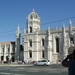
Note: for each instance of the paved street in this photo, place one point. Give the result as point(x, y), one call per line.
point(33, 70)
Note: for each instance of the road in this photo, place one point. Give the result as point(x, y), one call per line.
point(33, 70)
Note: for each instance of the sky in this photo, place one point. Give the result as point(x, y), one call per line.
point(53, 13)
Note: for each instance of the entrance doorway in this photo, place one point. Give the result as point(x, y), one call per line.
point(12, 59)
point(2, 58)
point(7, 58)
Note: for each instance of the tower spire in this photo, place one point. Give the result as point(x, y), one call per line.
point(33, 10)
point(70, 22)
point(63, 25)
point(18, 27)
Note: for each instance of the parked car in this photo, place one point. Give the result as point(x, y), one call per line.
point(19, 62)
point(42, 62)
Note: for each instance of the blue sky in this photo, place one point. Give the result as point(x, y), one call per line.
point(14, 12)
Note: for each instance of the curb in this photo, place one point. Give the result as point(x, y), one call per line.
point(15, 65)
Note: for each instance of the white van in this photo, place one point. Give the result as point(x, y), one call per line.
point(42, 62)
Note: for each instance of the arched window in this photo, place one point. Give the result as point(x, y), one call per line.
point(2, 58)
point(31, 16)
point(30, 43)
point(57, 44)
point(3, 50)
point(43, 54)
point(30, 54)
point(71, 40)
point(42, 42)
point(30, 29)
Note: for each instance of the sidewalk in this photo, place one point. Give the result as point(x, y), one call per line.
point(15, 64)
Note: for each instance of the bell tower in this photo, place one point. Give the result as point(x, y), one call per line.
point(33, 22)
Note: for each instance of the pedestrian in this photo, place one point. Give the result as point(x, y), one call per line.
point(69, 62)
point(2, 61)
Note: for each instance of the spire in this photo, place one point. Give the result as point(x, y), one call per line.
point(63, 25)
point(70, 27)
point(18, 27)
point(63, 30)
point(70, 22)
point(56, 28)
point(48, 30)
point(24, 31)
point(33, 10)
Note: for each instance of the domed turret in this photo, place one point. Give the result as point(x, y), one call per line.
point(33, 16)
point(33, 22)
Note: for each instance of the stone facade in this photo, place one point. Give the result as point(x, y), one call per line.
point(7, 51)
point(51, 44)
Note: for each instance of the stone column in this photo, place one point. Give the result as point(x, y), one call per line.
point(74, 38)
point(5, 49)
point(64, 42)
point(37, 45)
point(10, 51)
point(49, 46)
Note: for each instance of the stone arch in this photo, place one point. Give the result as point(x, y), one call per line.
point(30, 53)
point(30, 42)
point(30, 29)
point(42, 41)
point(43, 54)
point(57, 40)
point(72, 39)
point(2, 58)
point(7, 58)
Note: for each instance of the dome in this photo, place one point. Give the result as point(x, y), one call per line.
point(33, 15)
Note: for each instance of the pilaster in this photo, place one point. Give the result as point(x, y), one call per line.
point(5, 49)
point(36, 46)
point(49, 46)
point(74, 38)
point(10, 51)
point(64, 42)
point(70, 27)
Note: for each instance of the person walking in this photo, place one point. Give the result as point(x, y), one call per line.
point(69, 62)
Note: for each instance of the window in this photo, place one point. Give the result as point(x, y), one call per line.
point(30, 43)
point(43, 60)
point(43, 55)
point(13, 48)
point(57, 44)
point(31, 16)
point(21, 48)
point(3, 50)
point(8, 50)
point(30, 54)
point(35, 16)
point(72, 40)
point(42, 42)
point(30, 29)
